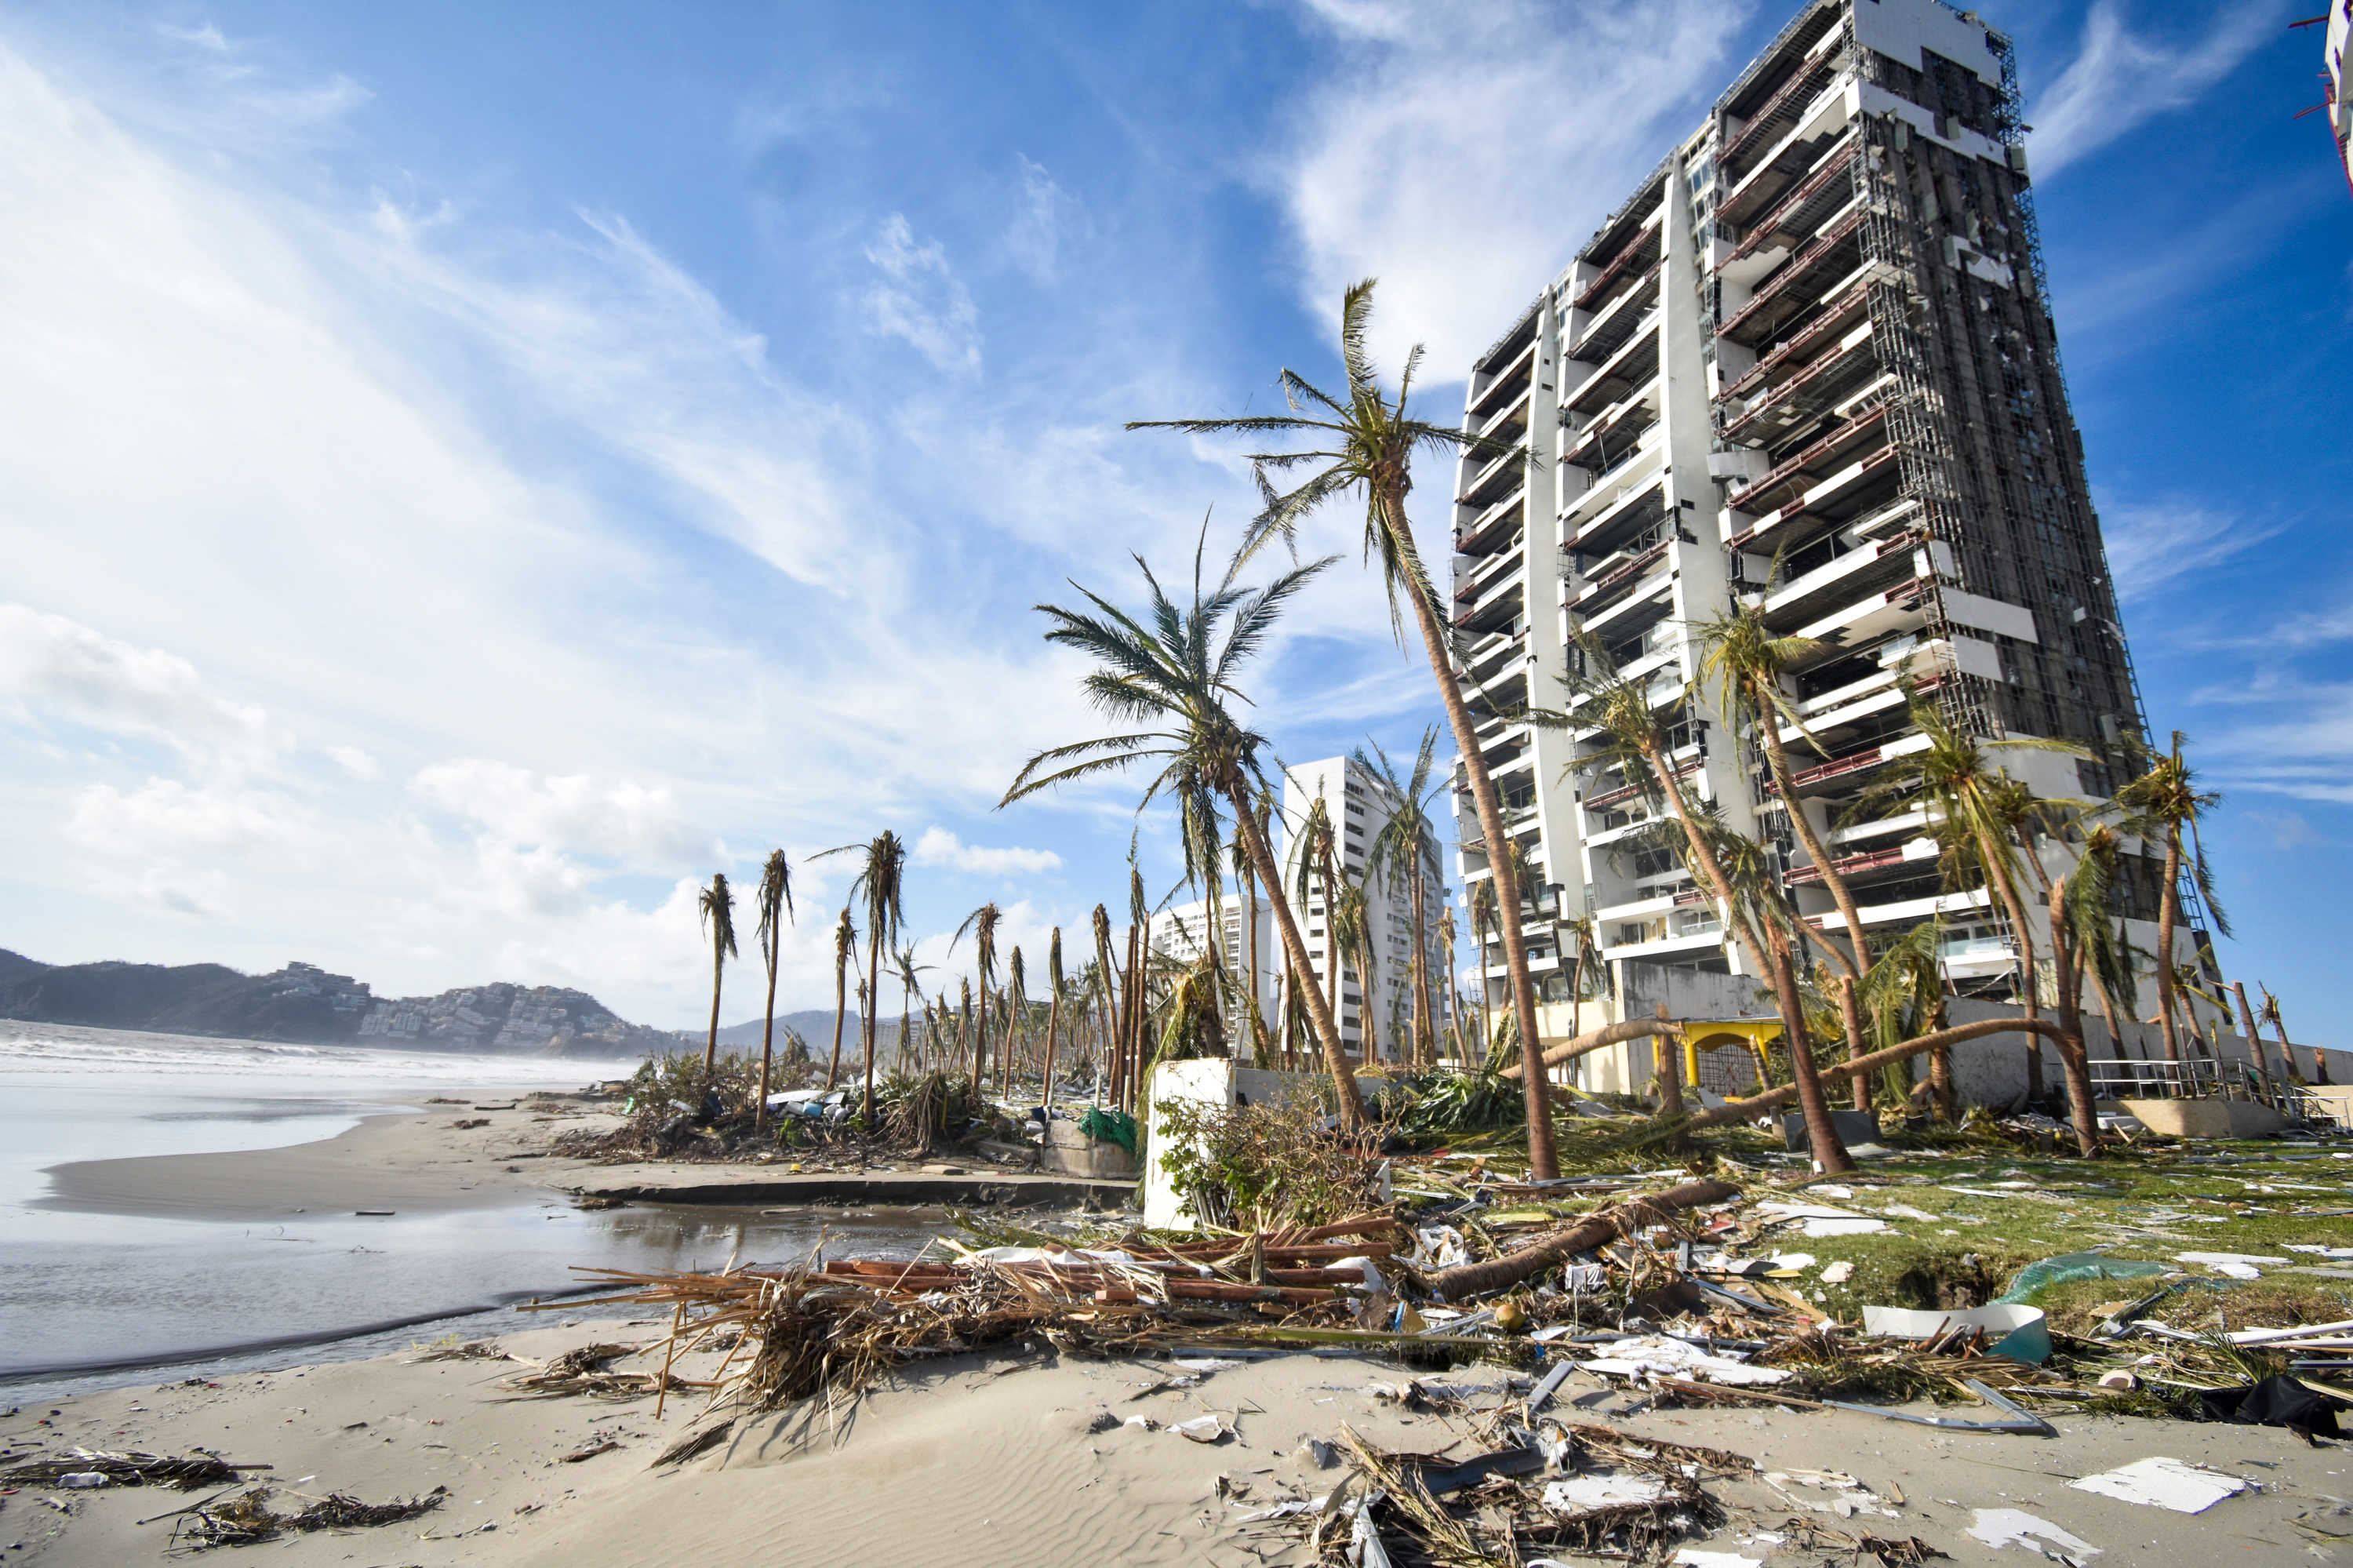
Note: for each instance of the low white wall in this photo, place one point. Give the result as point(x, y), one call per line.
point(1212, 1081)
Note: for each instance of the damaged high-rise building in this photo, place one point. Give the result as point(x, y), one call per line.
point(1809, 363)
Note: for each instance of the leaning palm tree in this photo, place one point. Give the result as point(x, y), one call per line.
point(775, 899)
point(1748, 663)
point(716, 907)
point(982, 924)
point(1366, 442)
point(1955, 782)
point(2161, 803)
point(1176, 667)
point(1315, 867)
point(1404, 855)
point(1635, 741)
point(883, 879)
point(845, 953)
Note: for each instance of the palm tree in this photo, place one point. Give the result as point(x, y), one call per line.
point(1366, 443)
point(1635, 742)
point(1055, 986)
point(1748, 663)
point(845, 953)
point(1954, 782)
point(2160, 804)
point(982, 924)
point(1904, 996)
point(1404, 855)
point(775, 899)
point(1314, 867)
point(1482, 915)
point(883, 879)
point(1015, 999)
point(1177, 667)
point(1348, 920)
point(1107, 983)
point(903, 965)
point(716, 907)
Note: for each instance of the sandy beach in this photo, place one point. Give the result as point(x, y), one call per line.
point(1022, 1457)
point(1000, 1462)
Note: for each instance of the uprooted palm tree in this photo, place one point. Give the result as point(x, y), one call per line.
point(1954, 782)
point(1366, 442)
point(982, 924)
point(1177, 668)
point(1404, 856)
point(1637, 742)
point(776, 899)
point(2162, 803)
point(716, 907)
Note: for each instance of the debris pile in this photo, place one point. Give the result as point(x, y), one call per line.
point(246, 1520)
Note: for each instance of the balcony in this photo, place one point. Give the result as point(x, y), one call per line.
point(1870, 569)
point(1640, 251)
point(1798, 482)
point(1510, 382)
point(1492, 527)
point(1831, 258)
point(1606, 332)
point(1870, 865)
point(1797, 218)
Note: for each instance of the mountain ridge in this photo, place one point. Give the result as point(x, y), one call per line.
point(304, 1004)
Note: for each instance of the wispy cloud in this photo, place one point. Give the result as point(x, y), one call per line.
point(1046, 213)
point(2125, 75)
point(1457, 150)
point(2151, 544)
point(919, 298)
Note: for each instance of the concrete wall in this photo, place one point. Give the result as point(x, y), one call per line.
point(1212, 1081)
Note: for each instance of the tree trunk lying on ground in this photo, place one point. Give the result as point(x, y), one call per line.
point(1593, 1039)
point(1756, 1105)
point(1469, 1279)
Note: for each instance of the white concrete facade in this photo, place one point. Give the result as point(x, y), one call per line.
point(1808, 365)
point(1182, 932)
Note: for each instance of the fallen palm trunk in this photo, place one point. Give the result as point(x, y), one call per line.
point(1469, 1279)
point(1593, 1039)
point(1756, 1105)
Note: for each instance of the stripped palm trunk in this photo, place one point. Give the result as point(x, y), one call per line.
point(1328, 1028)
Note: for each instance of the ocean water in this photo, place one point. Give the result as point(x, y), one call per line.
point(95, 1301)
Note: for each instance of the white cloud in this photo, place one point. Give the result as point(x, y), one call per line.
point(919, 298)
point(1461, 153)
point(97, 679)
point(167, 816)
point(2124, 75)
point(517, 807)
point(355, 762)
point(940, 847)
point(2151, 544)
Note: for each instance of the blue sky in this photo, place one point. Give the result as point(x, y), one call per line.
point(471, 472)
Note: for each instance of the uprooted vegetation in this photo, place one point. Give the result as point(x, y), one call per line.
point(673, 1109)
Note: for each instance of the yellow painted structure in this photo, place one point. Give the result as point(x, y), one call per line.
point(1713, 1034)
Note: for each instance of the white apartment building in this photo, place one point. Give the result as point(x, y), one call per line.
point(1809, 363)
point(1379, 1006)
point(1181, 931)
